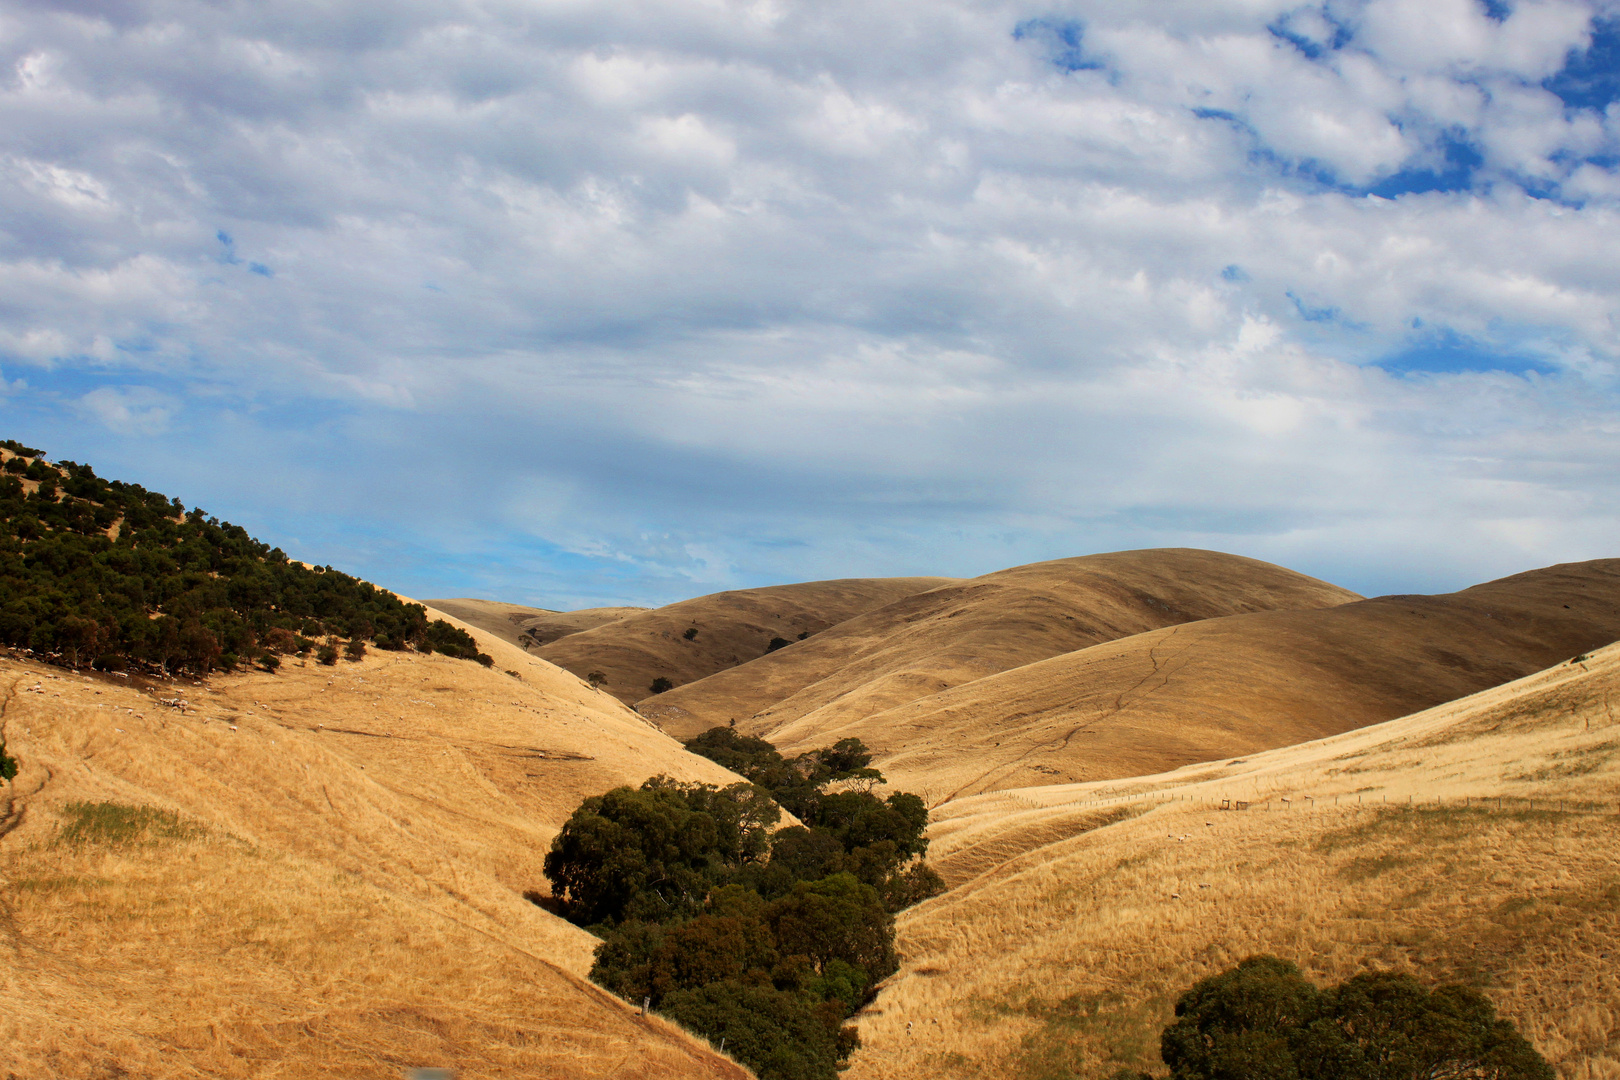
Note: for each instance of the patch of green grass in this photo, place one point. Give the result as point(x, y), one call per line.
point(112, 824)
point(60, 883)
point(1090, 1034)
point(1366, 867)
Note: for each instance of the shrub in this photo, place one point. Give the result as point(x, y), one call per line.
point(269, 661)
point(279, 640)
point(777, 643)
point(485, 659)
point(8, 764)
point(661, 685)
point(1263, 1019)
point(110, 662)
point(327, 655)
point(228, 661)
point(354, 651)
point(691, 633)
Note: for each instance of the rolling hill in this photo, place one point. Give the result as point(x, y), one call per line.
point(1228, 686)
point(1478, 841)
point(730, 628)
point(330, 861)
point(967, 630)
point(529, 626)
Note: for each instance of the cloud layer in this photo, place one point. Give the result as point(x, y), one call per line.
point(581, 301)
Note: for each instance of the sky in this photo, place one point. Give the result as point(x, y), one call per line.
point(569, 303)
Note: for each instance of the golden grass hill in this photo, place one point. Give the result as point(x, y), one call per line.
point(262, 819)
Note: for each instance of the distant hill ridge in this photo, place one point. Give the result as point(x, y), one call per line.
point(962, 631)
point(1226, 687)
point(686, 641)
point(105, 572)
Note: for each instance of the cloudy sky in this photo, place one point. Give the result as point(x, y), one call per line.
point(573, 302)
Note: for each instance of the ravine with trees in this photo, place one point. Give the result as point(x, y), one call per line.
point(763, 939)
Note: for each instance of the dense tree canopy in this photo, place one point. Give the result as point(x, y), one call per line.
point(768, 940)
point(1263, 1020)
point(93, 570)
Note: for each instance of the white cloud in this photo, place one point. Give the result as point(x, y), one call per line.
point(130, 410)
point(861, 276)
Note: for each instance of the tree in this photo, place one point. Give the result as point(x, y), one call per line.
point(1263, 1019)
point(838, 918)
point(596, 679)
point(691, 633)
point(780, 1035)
point(656, 852)
point(661, 685)
point(1237, 1025)
point(8, 764)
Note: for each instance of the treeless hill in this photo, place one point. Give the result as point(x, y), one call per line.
point(529, 626)
point(313, 873)
point(1476, 842)
point(731, 628)
point(971, 629)
point(1229, 686)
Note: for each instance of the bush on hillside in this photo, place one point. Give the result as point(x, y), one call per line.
point(92, 568)
point(8, 764)
point(661, 685)
point(767, 940)
point(1263, 1020)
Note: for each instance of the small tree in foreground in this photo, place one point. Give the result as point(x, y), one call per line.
point(1263, 1020)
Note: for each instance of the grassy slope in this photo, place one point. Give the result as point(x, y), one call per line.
point(972, 629)
point(733, 628)
point(1079, 912)
point(1233, 686)
point(509, 621)
point(342, 895)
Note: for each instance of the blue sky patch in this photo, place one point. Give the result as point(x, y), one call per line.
point(1446, 352)
point(1457, 174)
point(1063, 39)
point(1591, 79)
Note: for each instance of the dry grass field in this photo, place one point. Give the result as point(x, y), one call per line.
point(1229, 686)
point(731, 628)
point(1478, 841)
point(314, 873)
point(971, 629)
point(529, 625)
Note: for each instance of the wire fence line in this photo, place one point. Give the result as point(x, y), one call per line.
point(1353, 801)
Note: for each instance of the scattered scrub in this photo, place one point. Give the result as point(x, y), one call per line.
point(768, 940)
point(104, 572)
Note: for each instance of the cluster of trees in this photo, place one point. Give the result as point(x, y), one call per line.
point(1263, 1020)
point(104, 572)
point(765, 938)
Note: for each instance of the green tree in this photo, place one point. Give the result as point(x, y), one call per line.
point(1263, 1019)
point(661, 685)
point(655, 853)
point(838, 918)
point(780, 1035)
